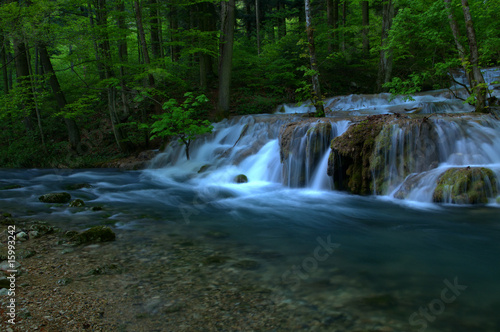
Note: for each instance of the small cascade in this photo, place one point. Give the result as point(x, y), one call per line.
point(303, 151)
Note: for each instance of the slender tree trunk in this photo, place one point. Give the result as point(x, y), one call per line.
point(3, 56)
point(257, 24)
point(174, 25)
point(142, 38)
point(23, 79)
point(206, 13)
point(100, 67)
point(365, 8)
point(386, 60)
point(479, 83)
point(73, 131)
point(155, 26)
point(317, 98)
point(226, 56)
point(123, 54)
point(456, 35)
point(281, 19)
point(344, 24)
point(33, 82)
point(105, 55)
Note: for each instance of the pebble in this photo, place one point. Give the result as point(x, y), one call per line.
point(22, 236)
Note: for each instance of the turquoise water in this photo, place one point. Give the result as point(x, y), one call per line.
point(373, 256)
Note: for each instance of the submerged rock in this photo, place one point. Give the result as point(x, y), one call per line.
point(77, 186)
point(63, 197)
point(10, 186)
point(470, 185)
point(95, 234)
point(77, 203)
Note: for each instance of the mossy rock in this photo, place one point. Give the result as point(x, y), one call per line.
point(215, 260)
point(77, 203)
point(95, 234)
point(247, 264)
point(10, 186)
point(77, 186)
point(217, 235)
point(203, 168)
point(382, 301)
point(41, 228)
point(241, 178)
point(57, 198)
point(470, 185)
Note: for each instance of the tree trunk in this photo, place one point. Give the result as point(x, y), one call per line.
point(155, 25)
point(317, 98)
point(226, 56)
point(281, 19)
point(3, 56)
point(456, 35)
point(206, 14)
point(105, 55)
point(73, 132)
point(386, 60)
point(23, 79)
point(33, 82)
point(344, 24)
point(142, 38)
point(123, 54)
point(174, 25)
point(257, 24)
point(365, 8)
point(478, 79)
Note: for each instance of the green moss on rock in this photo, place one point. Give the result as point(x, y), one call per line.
point(57, 198)
point(77, 203)
point(241, 178)
point(466, 186)
point(95, 234)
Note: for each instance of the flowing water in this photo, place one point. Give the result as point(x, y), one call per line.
point(411, 264)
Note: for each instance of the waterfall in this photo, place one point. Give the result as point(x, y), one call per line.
point(409, 157)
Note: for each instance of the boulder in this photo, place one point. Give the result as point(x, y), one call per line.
point(469, 185)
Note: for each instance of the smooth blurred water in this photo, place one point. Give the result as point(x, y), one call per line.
point(383, 246)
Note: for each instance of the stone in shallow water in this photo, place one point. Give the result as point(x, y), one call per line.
point(241, 178)
point(95, 234)
point(77, 203)
point(63, 197)
point(469, 185)
point(247, 264)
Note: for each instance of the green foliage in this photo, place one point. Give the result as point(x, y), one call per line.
point(182, 120)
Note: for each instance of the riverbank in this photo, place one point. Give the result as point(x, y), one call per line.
point(147, 285)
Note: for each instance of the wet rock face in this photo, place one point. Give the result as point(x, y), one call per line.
point(56, 198)
point(376, 154)
point(349, 162)
point(466, 186)
point(302, 145)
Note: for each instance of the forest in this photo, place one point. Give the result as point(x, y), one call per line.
point(84, 82)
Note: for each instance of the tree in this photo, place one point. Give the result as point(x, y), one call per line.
point(386, 59)
point(226, 56)
point(182, 121)
point(317, 98)
point(73, 131)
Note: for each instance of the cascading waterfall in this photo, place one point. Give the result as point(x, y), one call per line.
point(409, 158)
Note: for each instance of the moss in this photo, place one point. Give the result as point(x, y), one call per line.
point(95, 234)
point(350, 164)
point(57, 198)
point(241, 178)
point(77, 203)
point(466, 186)
point(10, 186)
point(247, 264)
point(77, 186)
point(215, 259)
